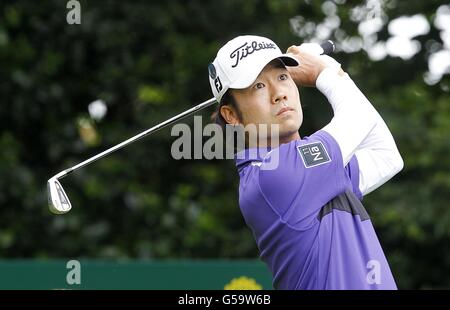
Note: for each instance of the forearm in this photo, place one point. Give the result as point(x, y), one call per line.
point(378, 156)
point(356, 125)
point(353, 120)
point(376, 151)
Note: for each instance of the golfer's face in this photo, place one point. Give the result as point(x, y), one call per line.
point(272, 99)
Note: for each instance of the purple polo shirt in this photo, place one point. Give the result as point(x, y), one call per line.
point(306, 215)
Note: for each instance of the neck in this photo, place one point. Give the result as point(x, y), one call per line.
point(272, 143)
point(289, 138)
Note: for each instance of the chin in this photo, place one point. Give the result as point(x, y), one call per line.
point(289, 126)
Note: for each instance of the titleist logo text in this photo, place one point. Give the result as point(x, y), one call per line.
point(246, 49)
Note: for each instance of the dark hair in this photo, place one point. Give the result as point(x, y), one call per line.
point(227, 99)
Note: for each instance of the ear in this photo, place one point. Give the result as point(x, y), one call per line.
point(229, 115)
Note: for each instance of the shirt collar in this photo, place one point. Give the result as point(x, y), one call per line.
point(247, 156)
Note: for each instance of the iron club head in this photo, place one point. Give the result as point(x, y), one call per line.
point(58, 202)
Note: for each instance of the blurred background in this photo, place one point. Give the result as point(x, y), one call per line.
point(70, 91)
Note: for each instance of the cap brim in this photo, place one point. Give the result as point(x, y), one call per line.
point(250, 77)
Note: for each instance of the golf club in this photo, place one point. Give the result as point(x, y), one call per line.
point(58, 201)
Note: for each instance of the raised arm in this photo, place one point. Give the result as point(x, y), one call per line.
point(378, 156)
point(356, 126)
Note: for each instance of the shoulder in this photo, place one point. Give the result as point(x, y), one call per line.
point(317, 150)
point(309, 169)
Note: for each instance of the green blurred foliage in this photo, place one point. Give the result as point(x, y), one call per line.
point(147, 61)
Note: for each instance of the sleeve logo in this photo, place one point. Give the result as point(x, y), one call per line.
point(313, 154)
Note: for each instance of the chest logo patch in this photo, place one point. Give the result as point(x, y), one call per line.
point(313, 154)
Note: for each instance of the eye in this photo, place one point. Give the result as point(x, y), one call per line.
point(259, 85)
point(283, 77)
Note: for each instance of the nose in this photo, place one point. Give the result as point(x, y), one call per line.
point(278, 96)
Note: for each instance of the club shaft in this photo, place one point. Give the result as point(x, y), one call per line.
point(327, 46)
point(170, 121)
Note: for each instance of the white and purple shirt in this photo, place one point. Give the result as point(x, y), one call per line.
point(308, 221)
point(306, 214)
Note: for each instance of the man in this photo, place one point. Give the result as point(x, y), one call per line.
point(306, 213)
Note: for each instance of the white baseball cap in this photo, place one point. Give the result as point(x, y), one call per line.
point(239, 62)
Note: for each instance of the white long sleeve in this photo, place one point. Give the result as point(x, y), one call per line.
point(378, 157)
point(359, 129)
point(352, 121)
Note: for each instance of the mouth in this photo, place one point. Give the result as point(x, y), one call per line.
point(284, 111)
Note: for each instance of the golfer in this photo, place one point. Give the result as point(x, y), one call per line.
point(305, 213)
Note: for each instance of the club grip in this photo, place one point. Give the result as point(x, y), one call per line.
point(328, 47)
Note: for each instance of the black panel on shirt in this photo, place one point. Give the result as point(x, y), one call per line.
point(347, 202)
